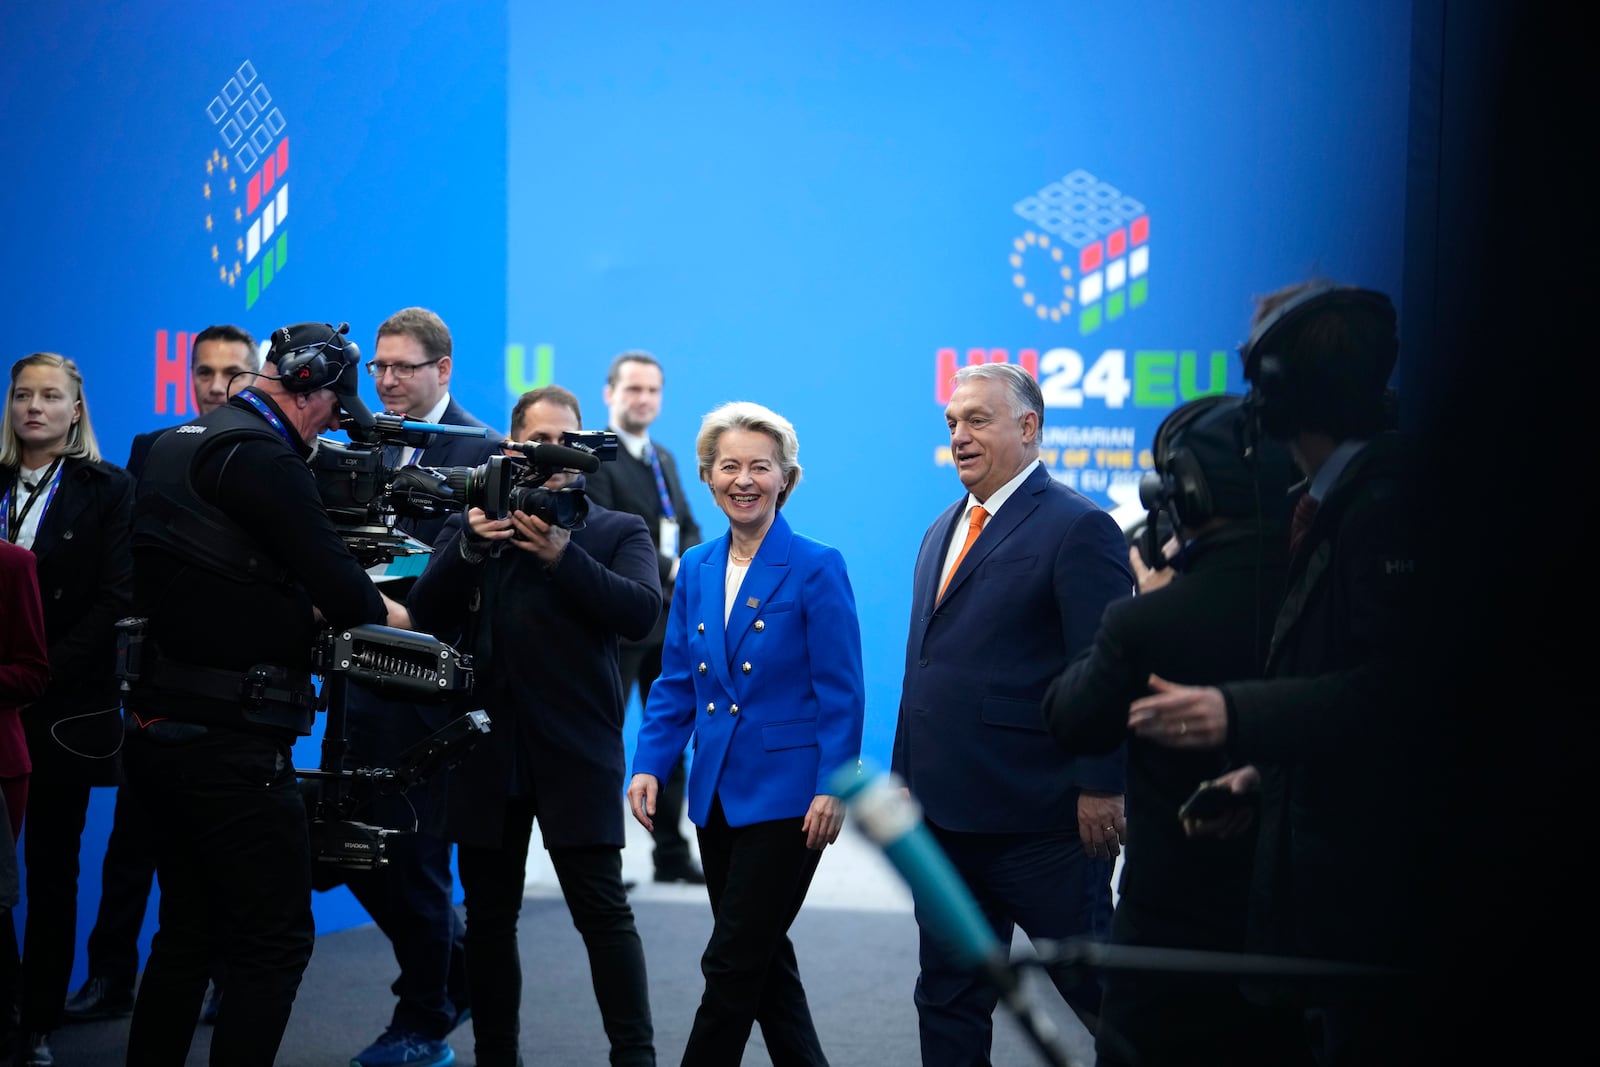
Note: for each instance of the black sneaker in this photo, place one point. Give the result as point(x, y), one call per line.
point(98, 999)
point(688, 871)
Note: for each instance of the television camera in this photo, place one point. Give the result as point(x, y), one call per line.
point(365, 490)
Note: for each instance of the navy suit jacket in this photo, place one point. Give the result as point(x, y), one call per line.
point(140, 450)
point(971, 740)
point(448, 450)
point(775, 699)
point(628, 484)
point(546, 672)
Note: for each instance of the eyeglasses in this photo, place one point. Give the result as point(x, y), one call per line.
point(402, 371)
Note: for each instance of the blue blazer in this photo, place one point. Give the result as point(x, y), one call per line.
point(774, 701)
point(971, 740)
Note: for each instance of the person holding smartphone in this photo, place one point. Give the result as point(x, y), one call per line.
point(1203, 614)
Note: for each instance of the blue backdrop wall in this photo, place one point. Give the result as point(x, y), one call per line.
point(824, 208)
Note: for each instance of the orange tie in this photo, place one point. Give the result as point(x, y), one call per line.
point(974, 526)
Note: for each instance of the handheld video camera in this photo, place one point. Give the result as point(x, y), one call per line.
point(567, 508)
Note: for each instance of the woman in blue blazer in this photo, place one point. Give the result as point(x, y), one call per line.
point(762, 670)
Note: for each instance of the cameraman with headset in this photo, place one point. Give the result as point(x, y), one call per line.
point(1204, 618)
point(543, 604)
point(1332, 736)
point(236, 565)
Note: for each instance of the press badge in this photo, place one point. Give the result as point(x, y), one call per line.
point(669, 538)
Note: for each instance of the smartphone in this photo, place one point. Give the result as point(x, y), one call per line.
point(1212, 801)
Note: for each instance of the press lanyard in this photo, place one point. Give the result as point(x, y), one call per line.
point(267, 413)
point(14, 520)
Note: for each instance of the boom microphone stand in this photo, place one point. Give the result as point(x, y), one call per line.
point(889, 817)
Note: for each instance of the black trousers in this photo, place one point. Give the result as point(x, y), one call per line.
point(641, 663)
point(126, 875)
point(757, 877)
point(234, 860)
point(1174, 1019)
point(50, 842)
point(410, 901)
point(591, 883)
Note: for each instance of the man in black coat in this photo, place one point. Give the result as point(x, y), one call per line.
point(411, 899)
point(644, 480)
point(1333, 736)
point(1209, 624)
point(543, 608)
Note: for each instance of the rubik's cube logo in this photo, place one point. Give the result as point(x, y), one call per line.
point(246, 194)
point(1086, 251)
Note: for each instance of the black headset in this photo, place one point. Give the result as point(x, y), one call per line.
point(1177, 481)
point(1290, 393)
point(304, 365)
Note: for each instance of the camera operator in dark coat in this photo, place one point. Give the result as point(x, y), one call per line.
point(1333, 736)
point(1209, 623)
point(236, 566)
point(543, 608)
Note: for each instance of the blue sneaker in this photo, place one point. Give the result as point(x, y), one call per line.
point(400, 1048)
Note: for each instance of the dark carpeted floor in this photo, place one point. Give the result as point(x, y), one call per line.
point(858, 966)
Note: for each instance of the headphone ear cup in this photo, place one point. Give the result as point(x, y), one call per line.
point(1150, 542)
point(1276, 406)
point(1190, 493)
point(1152, 490)
point(304, 372)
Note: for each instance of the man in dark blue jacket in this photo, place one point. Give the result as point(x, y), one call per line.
point(543, 607)
point(412, 897)
point(1010, 584)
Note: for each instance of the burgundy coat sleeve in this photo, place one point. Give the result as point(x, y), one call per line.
point(24, 669)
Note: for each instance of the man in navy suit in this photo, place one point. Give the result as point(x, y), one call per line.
point(1010, 584)
point(412, 899)
point(222, 360)
point(544, 607)
point(644, 480)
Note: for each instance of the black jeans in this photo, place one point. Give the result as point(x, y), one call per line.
point(591, 883)
point(126, 875)
point(55, 820)
point(411, 899)
point(757, 877)
point(234, 862)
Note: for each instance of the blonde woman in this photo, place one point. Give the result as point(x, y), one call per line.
point(63, 502)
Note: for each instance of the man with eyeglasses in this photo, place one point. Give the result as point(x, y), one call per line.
point(411, 899)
